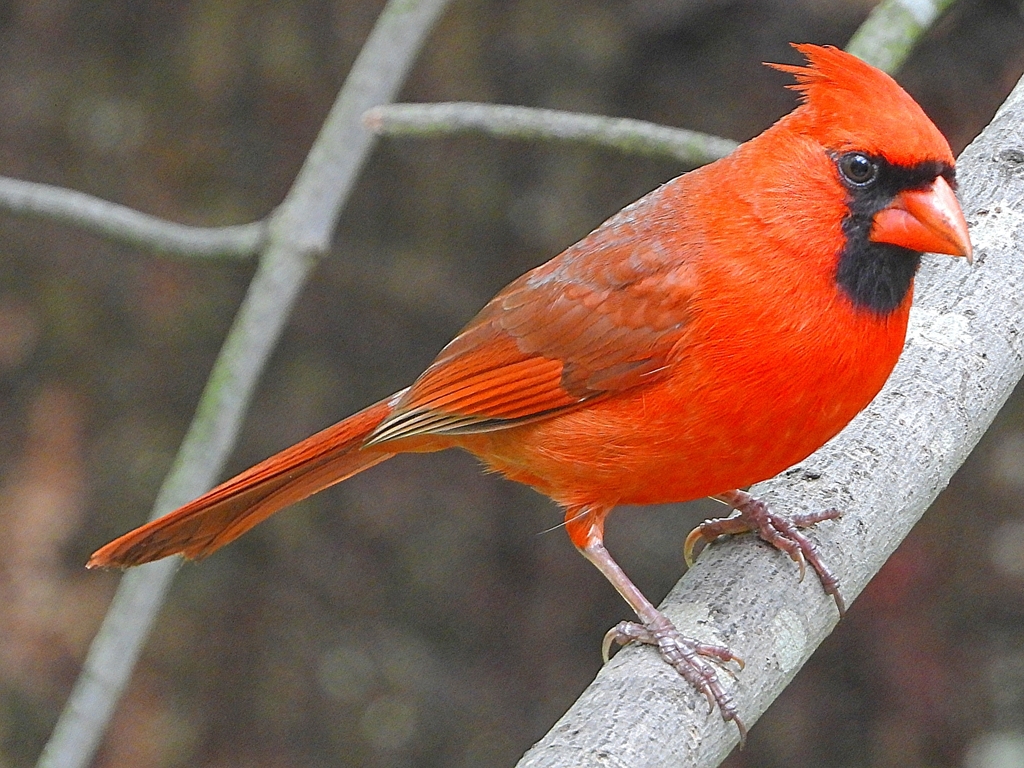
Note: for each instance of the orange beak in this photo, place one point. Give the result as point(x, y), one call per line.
point(928, 220)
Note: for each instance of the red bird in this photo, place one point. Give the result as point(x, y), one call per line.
point(706, 337)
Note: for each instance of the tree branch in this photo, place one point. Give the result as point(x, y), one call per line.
point(623, 134)
point(885, 40)
point(123, 224)
point(964, 355)
point(299, 234)
point(892, 29)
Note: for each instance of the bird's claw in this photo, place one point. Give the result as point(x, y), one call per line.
point(710, 530)
point(798, 557)
point(781, 531)
point(688, 657)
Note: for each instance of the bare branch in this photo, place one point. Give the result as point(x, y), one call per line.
point(300, 232)
point(964, 355)
point(623, 134)
point(125, 225)
point(892, 29)
point(885, 40)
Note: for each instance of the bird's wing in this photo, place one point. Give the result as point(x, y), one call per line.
point(600, 318)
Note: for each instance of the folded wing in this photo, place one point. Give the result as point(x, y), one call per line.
point(602, 317)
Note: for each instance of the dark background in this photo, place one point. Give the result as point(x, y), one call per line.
point(418, 615)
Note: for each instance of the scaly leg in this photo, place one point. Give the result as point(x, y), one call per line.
point(687, 656)
point(781, 531)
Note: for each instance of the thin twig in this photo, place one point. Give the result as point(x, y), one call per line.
point(892, 29)
point(300, 232)
point(623, 134)
point(885, 40)
point(125, 225)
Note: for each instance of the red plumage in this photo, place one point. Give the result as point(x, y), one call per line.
point(706, 337)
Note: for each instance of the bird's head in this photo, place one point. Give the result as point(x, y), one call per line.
point(888, 161)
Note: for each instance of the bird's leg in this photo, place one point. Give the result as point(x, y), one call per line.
point(687, 656)
point(781, 531)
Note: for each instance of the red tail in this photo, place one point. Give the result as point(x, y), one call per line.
point(229, 510)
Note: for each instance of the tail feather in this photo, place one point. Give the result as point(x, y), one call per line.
point(232, 508)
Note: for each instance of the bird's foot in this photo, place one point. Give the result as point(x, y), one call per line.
point(687, 656)
point(781, 531)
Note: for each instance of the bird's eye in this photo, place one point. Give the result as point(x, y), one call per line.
point(858, 169)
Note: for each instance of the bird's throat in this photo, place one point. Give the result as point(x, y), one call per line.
point(875, 276)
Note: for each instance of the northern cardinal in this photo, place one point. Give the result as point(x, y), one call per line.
point(706, 337)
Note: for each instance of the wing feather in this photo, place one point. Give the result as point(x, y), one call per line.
point(602, 317)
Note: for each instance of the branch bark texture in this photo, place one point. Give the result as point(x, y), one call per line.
point(964, 355)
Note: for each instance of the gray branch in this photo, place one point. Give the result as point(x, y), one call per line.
point(299, 234)
point(619, 133)
point(123, 224)
point(885, 40)
point(892, 29)
point(964, 355)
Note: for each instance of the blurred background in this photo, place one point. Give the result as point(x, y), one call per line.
point(418, 615)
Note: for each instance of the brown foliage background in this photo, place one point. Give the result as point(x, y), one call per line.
point(419, 614)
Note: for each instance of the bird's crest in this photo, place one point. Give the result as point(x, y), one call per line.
point(849, 104)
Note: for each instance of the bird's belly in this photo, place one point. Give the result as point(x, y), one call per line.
point(683, 439)
point(608, 457)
